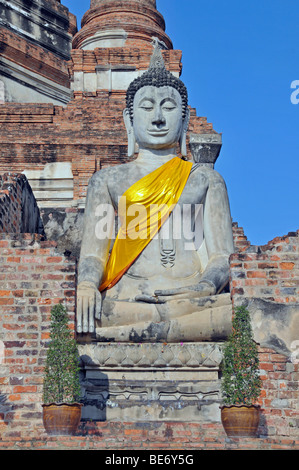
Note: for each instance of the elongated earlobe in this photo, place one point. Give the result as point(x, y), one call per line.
point(183, 138)
point(130, 133)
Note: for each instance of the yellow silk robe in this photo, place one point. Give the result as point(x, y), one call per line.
point(154, 197)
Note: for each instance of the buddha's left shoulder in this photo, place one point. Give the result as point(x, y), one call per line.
point(208, 173)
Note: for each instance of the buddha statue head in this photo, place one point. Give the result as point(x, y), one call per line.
point(157, 114)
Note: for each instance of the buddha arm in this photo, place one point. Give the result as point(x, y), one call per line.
point(95, 244)
point(218, 233)
point(94, 254)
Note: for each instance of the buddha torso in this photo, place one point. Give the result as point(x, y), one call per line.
point(167, 261)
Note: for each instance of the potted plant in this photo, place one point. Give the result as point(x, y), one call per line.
point(241, 382)
point(61, 386)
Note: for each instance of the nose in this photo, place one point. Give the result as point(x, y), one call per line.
point(158, 117)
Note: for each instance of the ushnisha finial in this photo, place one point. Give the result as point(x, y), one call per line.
point(157, 61)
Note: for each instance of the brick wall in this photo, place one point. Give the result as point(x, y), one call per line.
point(139, 58)
point(18, 209)
point(89, 132)
point(270, 272)
point(33, 57)
point(21, 421)
point(240, 240)
point(33, 277)
point(280, 395)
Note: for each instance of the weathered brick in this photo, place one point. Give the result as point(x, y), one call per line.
point(4, 293)
point(256, 274)
point(267, 275)
point(5, 301)
point(287, 266)
point(54, 259)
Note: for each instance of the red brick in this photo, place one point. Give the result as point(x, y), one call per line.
point(256, 274)
point(24, 389)
point(255, 282)
point(287, 266)
point(54, 259)
point(14, 397)
point(267, 265)
point(12, 326)
point(13, 259)
point(5, 293)
point(266, 366)
point(18, 293)
point(4, 301)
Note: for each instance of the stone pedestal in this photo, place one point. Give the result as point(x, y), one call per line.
point(205, 148)
point(151, 382)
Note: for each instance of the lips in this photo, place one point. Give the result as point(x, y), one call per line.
point(156, 133)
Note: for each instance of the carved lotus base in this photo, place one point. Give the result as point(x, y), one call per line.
point(151, 382)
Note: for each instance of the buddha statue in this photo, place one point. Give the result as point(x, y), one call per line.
point(154, 281)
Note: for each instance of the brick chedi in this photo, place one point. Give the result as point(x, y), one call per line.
point(114, 23)
point(35, 44)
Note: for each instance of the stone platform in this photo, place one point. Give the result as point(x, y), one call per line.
point(151, 382)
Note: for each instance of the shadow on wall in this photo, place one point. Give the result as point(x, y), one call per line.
point(95, 394)
point(19, 212)
point(6, 410)
point(31, 219)
point(263, 429)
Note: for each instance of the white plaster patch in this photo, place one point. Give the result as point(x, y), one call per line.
point(107, 38)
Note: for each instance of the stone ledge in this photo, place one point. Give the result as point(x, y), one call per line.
point(151, 356)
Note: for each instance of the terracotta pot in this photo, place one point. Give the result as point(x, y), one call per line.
point(240, 420)
point(61, 419)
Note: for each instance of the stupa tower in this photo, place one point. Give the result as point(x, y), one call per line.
point(117, 23)
point(115, 44)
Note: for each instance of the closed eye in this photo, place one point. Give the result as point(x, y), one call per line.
point(147, 108)
point(169, 108)
point(168, 105)
point(147, 105)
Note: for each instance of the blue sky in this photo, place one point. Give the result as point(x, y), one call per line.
point(239, 61)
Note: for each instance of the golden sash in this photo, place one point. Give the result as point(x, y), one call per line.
point(153, 197)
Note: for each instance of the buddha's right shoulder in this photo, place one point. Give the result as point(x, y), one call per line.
point(103, 176)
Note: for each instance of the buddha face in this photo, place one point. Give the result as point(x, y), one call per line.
point(157, 122)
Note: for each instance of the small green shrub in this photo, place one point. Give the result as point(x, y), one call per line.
point(241, 382)
point(61, 374)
